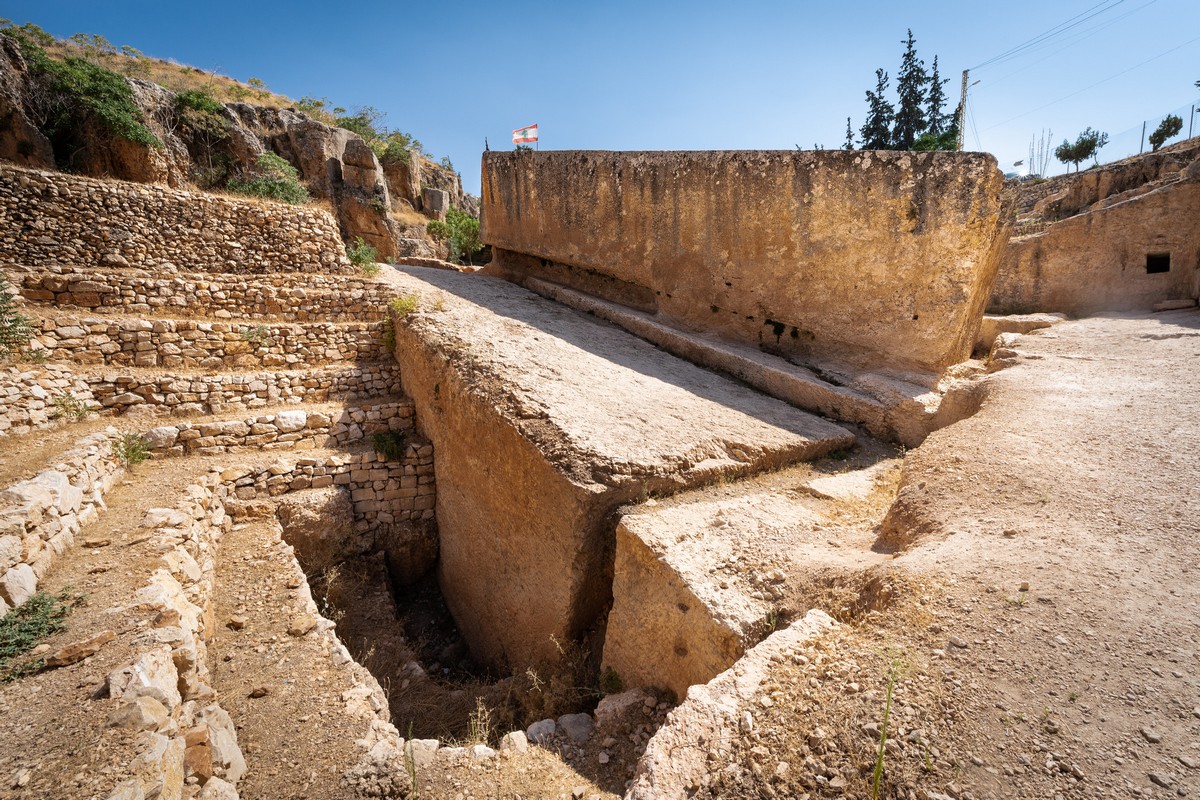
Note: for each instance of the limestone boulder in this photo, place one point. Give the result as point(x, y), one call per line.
point(319, 523)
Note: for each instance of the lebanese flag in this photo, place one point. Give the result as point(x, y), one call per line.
point(526, 134)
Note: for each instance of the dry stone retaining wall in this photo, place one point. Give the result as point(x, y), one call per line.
point(57, 218)
point(280, 431)
point(280, 296)
point(180, 395)
point(207, 345)
point(39, 517)
point(28, 394)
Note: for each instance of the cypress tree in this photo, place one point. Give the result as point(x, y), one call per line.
point(849, 145)
point(911, 86)
point(937, 101)
point(876, 131)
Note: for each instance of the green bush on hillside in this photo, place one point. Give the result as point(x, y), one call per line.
point(273, 178)
point(86, 86)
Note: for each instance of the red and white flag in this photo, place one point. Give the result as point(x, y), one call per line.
point(526, 134)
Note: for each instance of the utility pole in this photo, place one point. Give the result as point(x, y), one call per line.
point(962, 112)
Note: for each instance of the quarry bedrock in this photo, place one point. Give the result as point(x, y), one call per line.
point(543, 422)
point(1096, 261)
point(875, 258)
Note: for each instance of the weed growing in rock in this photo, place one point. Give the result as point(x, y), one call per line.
point(130, 449)
point(893, 673)
point(22, 628)
point(16, 329)
point(404, 305)
point(257, 335)
point(68, 406)
point(273, 178)
point(38, 356)
point(390, 445)
point(479, 725)
point(363, 256)
point(389, 336)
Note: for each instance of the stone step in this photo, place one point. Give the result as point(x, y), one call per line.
point(190, 343)
point(290, 297)
point(888, 407)
point(544, 421)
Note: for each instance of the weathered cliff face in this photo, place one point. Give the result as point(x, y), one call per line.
point(335, 164)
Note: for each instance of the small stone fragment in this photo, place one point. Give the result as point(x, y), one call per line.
point(78, 651)
point(261, 691)
point(1152, 736)
point(301, 625)
point(236, 622)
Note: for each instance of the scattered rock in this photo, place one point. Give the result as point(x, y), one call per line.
point(1158, 779)
point(236, 622)
point(515, 742)
point(1152, 736)
point(78, 651)
point(538, 732)
point(300, 625)
point(577, 726)
point(261, 691)
point(140, 714)
point(97, 543)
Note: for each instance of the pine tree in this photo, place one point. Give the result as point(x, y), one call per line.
point(849, 145)
point(911, 85)
point(937, 101)
point(876, 131)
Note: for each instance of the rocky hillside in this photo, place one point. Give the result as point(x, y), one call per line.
point(63, 108)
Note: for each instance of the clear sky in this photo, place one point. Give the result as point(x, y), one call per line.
point(645, 75)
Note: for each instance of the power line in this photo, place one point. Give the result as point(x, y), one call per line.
point(1057, 30)
point(1094, 85)
point(1082, 36)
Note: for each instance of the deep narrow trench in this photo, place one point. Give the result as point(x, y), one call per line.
point(380, 589)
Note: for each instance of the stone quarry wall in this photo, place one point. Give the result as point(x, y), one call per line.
point(882, 259)
point(208, 345)
point(56, 218)
point(282, 297)
point(1097, 260)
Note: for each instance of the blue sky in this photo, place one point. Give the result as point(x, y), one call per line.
point(630, 75)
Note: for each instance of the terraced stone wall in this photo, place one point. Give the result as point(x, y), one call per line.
point(878, 259)
point(39, 517)
point(207, 345)
point(284, 297)
point(181, 395)
point(57, 218)
point(28, 394)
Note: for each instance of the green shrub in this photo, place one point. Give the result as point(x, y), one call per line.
point(396, 152)
point(199, 100)
point(462, 231)
point(130, 449)
point(404, 305)
point(87, 86)
point(362, 255)
point(68, 406)
point(390, 445)
point(257, 335)
point(22, 628)
point(273, 178)
point(16, 329)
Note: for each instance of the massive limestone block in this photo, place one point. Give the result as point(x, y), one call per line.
point(544, 421)
point(872, 258)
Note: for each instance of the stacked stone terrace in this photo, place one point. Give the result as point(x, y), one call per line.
point(248, 353)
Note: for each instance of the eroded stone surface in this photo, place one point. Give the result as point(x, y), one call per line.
point(543, 422)
point(675, 764)
point(883, 258)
